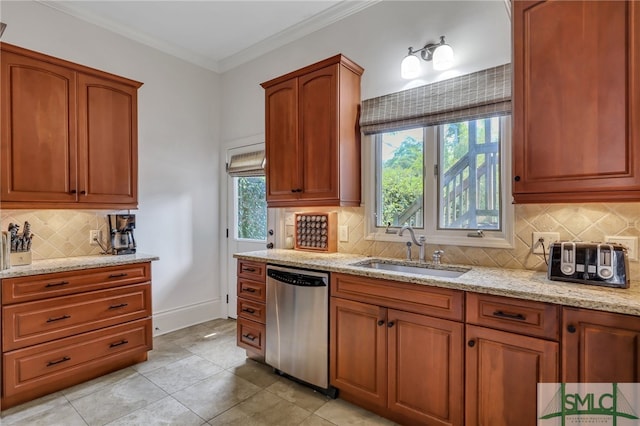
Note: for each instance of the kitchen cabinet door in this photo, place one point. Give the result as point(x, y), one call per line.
point(576, 101)
point(502, 372)
point(318, 138)
point(358, 352)
point(600, 347)
point(107, 141)
point(38, 131)
point(426, 369)
point(284, 181)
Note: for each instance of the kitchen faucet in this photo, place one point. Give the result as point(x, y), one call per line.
point(419, 242)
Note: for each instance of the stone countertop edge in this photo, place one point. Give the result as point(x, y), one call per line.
point(517, 283)
point(64, 264)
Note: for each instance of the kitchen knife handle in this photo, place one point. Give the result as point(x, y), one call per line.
point(509, 315)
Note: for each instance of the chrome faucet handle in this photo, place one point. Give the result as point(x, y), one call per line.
point(437, 255)
point(408, 250)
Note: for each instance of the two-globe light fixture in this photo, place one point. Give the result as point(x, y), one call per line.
point(441, 54)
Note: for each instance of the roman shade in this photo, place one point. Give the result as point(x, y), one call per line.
point(247, 164)
point(466, 97)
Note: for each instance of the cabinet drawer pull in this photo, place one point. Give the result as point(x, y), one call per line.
point(571, 328)
point(249, 336)
point(73, 191)
point(380, 322)
point(471, 343)
point(248, 269)
point(83, 192)
point(124, 274)
point(249, 310)
point(121, 305)
point(391, 324)
point(509, 315)
point(56, 284)
point(249, 289)
point(61, 360)
point(120, 343)
point(64, 317)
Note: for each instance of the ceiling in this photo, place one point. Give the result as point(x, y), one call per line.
point(218, 35)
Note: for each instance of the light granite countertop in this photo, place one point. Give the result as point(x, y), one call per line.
point(74, 263)
point(519, 283)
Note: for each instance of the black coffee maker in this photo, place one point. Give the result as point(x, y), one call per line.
point(121, 227)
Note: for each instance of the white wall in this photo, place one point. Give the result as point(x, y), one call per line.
point(376, 38)
point(178, 153)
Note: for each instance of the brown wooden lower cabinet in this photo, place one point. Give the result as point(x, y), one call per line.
point(600, 347)
point(502, 372)
point(61, 329)
point(402, 365)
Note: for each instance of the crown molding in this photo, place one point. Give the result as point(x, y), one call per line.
point(314, 23)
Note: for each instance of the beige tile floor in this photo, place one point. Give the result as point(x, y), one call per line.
point(194, 376)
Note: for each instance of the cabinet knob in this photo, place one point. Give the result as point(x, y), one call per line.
point(391, 324)
point(517, 178)
point(380, 322)
point(83, 192)
point(471, 343)
point(571, 328)
point(73, 191)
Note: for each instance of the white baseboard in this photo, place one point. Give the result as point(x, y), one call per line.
point(185, 316)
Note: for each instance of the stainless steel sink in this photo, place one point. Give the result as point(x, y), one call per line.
point(413, 268)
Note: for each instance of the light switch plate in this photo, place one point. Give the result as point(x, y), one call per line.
point(631, 243)
point(343, 233)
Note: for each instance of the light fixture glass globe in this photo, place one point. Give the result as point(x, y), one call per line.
point(443, 57)
point(410, 67)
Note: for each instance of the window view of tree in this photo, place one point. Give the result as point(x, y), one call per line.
point(401, 179)
point(251, 208)
point(469, 178)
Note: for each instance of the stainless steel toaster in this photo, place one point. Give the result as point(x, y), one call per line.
point(603, 264)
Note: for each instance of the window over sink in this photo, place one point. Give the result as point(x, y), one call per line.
point(448, 181)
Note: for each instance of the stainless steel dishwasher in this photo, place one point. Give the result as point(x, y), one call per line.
point(298, 325)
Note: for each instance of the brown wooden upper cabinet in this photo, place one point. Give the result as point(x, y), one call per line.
point(69, 134)
point(576, 101)
point(312, 135)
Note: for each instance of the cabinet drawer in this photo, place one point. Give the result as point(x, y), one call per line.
point(55, 365)
point(252, 290)
point(252, 310)
point(252, 270)
point(520, 316)
point(421, 299)
point(35, 287)
point(251, 336)
point(36, 322)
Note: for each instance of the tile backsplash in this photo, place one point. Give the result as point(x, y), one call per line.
point(59, 233)
point(574, 222)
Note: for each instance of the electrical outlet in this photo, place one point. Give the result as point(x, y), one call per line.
point(343, 233)
point(547, 238)
point(94, 235)
point(631, 243)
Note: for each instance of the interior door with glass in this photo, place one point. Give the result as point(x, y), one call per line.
point(247, 218)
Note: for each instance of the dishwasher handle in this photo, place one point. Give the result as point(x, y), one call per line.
point(297, 279)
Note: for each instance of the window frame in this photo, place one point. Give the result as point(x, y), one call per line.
point(503, 238)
